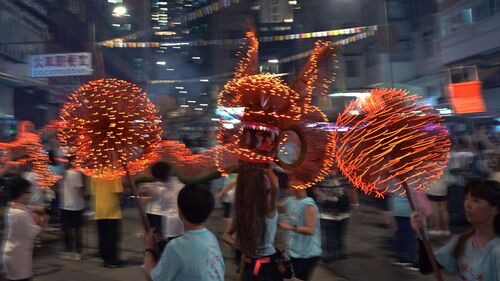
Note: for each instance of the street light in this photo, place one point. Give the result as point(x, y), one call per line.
point(119, 11)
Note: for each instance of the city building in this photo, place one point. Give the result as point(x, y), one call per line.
point(24, 32)
point(469, 37)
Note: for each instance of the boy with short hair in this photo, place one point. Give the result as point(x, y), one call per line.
point(195, 255)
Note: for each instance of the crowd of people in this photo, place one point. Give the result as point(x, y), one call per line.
point(277, 232)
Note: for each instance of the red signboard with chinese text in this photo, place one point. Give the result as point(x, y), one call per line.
point(466, 97)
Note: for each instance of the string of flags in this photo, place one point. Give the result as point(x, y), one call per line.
point(342, 42)
point(364, 31)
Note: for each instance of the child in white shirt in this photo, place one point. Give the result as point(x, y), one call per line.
point(22, 226)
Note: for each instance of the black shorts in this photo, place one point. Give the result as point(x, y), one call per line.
point(267, 271)
point(303, 268)
point(437, 198)
point(155, 221)
point(71, 218)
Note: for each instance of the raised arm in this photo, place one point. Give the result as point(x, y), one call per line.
point(226, 188)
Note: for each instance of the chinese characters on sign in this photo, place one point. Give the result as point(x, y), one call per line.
point(69, 64)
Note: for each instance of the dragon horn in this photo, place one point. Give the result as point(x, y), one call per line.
point(249, 64)
point(318, 72)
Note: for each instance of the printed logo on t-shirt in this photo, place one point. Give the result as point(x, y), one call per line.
point(467, 273)
point(214, 262)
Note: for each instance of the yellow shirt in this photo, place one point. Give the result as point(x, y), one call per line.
point(106, 198)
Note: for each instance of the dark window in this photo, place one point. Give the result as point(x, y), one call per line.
point(352, 68)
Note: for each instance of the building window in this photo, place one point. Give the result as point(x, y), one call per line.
point(405, 51)
point(467, 16)
point(352, 68)
point(397, 10)
point(428, 44)
point(371, 56)
point(476, 11)
point(483, 9)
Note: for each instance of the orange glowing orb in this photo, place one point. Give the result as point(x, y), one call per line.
point(31, 146)
point(111, 127)
point(389, 138)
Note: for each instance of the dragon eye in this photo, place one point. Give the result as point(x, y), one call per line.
point(289, 147)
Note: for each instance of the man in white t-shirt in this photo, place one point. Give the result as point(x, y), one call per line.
point(72, 205)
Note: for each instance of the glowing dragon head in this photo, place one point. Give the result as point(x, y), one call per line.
point(276, 118)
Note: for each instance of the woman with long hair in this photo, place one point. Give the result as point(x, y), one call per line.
point(474, 254)
point(255, 221)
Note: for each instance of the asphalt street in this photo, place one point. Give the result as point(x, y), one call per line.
point(369, 254)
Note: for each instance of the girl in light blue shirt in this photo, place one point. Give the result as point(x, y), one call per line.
point(304, 233)
point(475, 254)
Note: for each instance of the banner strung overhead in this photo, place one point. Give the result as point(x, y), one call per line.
point(361, 31)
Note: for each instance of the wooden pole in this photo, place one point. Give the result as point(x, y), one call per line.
point(138, 202)
point(425, 241)
point(142, 213)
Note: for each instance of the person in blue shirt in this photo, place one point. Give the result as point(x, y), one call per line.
point(304, 233)
point(475, 254)
point(196, 254)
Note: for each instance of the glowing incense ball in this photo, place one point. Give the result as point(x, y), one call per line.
point(39, 160)
point(111, 127)
point(388, 138)
point(30, 145)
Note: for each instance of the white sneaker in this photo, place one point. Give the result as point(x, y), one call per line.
point(445, 233)
point(411, 267)
point(434, 232)
point(88, 214)
point(66, 255)
point(52, 229)
point(76, 257)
